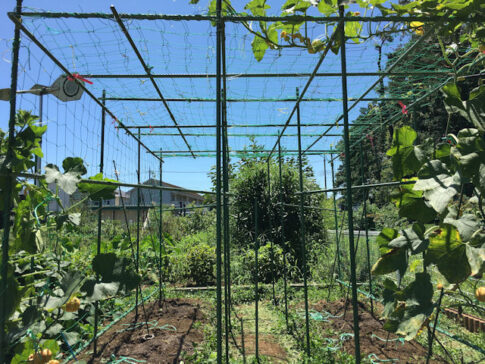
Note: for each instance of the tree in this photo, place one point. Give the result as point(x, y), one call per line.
point(250, 184)
point(428, 118)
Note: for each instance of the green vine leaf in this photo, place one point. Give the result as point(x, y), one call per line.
point(438, 186)
point(392, 259)
point(327, 7)
point(412, 205)
point(114, 269)
point(412, 238)
point(259, 47)
point(472, 109)
point(406, 158)
point(98, 191)
point(418, 305)
point(75, 165)
point(257, 7)
point(467, 224)
point(469, 155)
point(291, 6)
point(448, 252)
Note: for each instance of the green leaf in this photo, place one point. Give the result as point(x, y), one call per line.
point(290, 6)
point(98, 191)
point(440, 191)
point(392, 259)
point(443, 151)
point(13, 294)
point(114, 269)
point(466, 225)
point(327, 7)
point(75, 165)
point(384, 238)
point(272, 33)
point(418, 295)
point(412, 205)
point(472, 109)
point(100, 291)
point(412, 238)
point(259, 46)
point(476, 259)
point(449, 254)
point(257, 7)
point(352, 30)
point(453, 97)
point(406, 158)
point(404, 137)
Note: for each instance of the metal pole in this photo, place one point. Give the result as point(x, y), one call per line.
point(270, 234)
point(348, 178)
point(256, 278)
point(38, 166)
point(218, 181)
point(148, 72)
point(336, 220)
point(9, 184)
point(302, 231)
point(100, 211)
point(283, 242)
point(225, 187)
point(325, 173)
point(17, 22)
point(160, 234)
point(365, 193)
point(138, 198)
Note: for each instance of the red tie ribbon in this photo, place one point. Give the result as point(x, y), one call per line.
point(403, 108)
point(79, 77)
point(151, 128)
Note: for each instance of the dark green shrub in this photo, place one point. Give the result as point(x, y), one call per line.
point(267, 269)
point(201, 260)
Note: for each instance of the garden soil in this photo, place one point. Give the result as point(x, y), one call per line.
point(371, 335)
point(172, 327)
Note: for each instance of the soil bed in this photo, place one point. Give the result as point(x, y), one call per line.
point(372, 335)
point(171, 333)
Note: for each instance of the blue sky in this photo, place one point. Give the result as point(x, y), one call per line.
point(98, 47)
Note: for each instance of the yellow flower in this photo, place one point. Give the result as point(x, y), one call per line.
point(418, 27)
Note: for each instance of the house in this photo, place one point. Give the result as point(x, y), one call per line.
point(152, 196)
point(126, 204)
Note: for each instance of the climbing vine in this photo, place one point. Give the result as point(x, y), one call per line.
point(42, 290)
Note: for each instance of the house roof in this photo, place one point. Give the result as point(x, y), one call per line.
point(125, 194)
point(156, 182)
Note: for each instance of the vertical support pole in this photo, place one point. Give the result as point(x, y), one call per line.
point(302, 228)
point(270, 234)
point(138, 198)
point(38, 167)
point(365, 192)
point(218, 182)
point(337, 239)
point(225, 206)
point(256, 279)
point(325, 174)
point(9, 184)
point(160, 233)
point(100, 211)
point(283, 242)
point(343, 60)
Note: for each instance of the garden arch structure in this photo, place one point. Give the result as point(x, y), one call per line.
point(219, 145)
